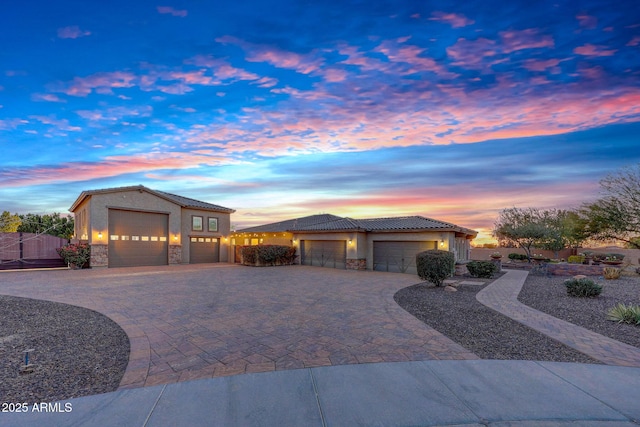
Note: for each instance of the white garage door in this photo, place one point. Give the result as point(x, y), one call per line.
point(324, 253)
point(399, 257)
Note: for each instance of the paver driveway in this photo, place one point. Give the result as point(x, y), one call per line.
point(202, 321)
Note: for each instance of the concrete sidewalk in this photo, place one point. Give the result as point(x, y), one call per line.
point(429, 393)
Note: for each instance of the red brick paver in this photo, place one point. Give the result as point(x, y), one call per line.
point(201, 321)
point(502, 296)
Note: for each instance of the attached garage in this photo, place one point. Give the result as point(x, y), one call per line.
point(138, 238)
point(204, 250)
point(324, 253)
point(398, 257)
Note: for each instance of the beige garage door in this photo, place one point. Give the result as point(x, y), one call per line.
point(203, 250)
point(138, 238)
point(324, 253)
point(398, 257)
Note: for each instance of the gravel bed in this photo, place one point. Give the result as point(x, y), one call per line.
point(549, 295)
point(78, 352)
point(485, 332)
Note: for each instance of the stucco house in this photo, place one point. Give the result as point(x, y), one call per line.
point(381, 244)
point(135, 226)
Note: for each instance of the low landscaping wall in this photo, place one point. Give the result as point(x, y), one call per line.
point(575, 269)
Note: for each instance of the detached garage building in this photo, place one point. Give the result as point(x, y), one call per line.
point(381, 244)
point(136, 226)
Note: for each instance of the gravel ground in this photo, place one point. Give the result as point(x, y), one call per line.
point(485, 332)
point(549, 295)
point(78, 352)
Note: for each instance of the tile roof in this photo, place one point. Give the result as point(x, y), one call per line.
point(185, 202)
point(327, 222)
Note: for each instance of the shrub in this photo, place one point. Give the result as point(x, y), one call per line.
point(615, 257)
point(77, 254)
point(483, 269)
point(582, 288)
point(611, 273)
point(515, 256)
point(268, 255)
point(435, 265)
point(575, 259)
point(599, 257)
point(625, 314)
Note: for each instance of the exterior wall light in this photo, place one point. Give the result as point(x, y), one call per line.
point(100, 235)
point(441, 242)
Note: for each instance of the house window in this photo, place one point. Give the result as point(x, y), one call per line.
point(213, 224)
point(196, 223)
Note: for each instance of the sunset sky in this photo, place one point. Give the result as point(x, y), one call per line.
point(280, 109)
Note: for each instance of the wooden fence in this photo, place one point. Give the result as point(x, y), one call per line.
point(29, 250)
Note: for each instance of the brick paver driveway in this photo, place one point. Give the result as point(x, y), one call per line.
point(202, 321)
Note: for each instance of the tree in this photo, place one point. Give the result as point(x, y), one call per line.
point(564, 229)
point(616, 216)
point(54, 224)
point(523, 228)
point(9, 223)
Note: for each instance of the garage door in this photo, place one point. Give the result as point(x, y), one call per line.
point(137, 238)
point(398, 257)
point(324, 253)
point(204, 249)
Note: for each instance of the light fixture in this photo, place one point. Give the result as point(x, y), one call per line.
point(350, 241)
point(100, 235)
point(175, 237)
point(441, 242)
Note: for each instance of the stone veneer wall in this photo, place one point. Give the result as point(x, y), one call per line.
point(175, 254)
point(575, 269)
point(356, 264)
point(99, 256)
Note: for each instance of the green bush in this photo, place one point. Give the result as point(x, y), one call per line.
point(483, 269)
point(615, 257)
point(268, 255)
point(582, 288)
point(77, 254)
point(575, 259)
point(515, 256)
point(625, 314)
point(435, 265)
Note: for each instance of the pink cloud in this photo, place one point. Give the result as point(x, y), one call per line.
point(453, 19)
point(635, 41)
point(587, 21)
point(100, 82)
point(472, 53)
point(109, 167)
point(334, 75)
point(540, 65)
point(48, 97)
point(72, 32)
point(592, 50)
point(302, 63)
point(525, 39)
point(171, 11)
point(412, 55)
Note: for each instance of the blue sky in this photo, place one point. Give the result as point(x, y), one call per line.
point(452, 110)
